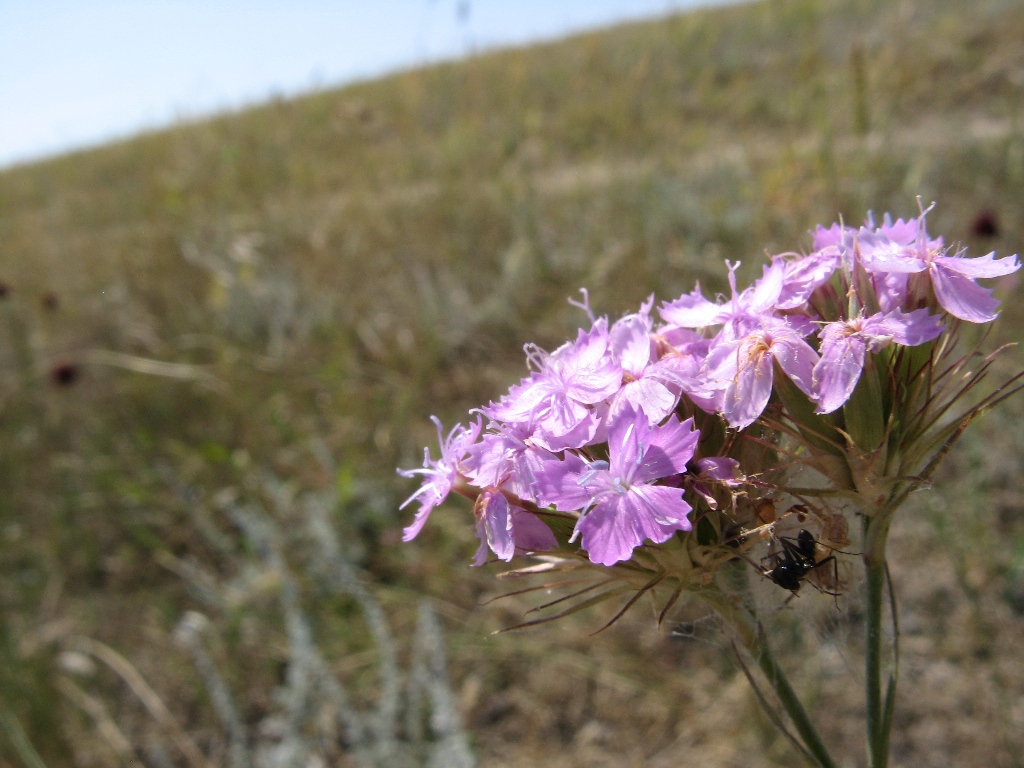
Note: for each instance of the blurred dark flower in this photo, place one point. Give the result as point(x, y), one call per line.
point(50, 301)
point(5, 289)
point(1014, 594)
point(985, 224)
point(64, 374)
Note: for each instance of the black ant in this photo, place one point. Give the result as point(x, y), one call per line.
point(797, 560)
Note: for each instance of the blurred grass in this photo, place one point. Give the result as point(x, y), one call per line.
point(327, 271)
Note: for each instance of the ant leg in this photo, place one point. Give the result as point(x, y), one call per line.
point(833, 587)
point(835, 570)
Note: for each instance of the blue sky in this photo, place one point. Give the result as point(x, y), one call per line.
point(75, 74)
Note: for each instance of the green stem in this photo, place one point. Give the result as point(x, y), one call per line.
point(791, 703)
point(878, 712)
point(19, 740)
point(873, 666)
point(751, 635)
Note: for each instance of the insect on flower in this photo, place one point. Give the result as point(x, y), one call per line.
point(798, 560)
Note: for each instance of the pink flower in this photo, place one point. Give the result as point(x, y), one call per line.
point(509, 458)
point(741, 313)
point(556, 397)
point(953, 282)
point(893, 252)
point(441, 475)
point(621, 505)
point(845, 343)
point(648, 383)
point(742, 368)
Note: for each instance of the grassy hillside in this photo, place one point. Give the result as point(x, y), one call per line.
point(270, 304)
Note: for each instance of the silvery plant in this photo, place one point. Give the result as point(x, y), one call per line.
point(411, 720)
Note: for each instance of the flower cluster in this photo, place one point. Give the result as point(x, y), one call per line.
point(631, 430)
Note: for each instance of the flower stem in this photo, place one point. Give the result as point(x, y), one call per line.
point(878, 715)
point(751, 635)
point(791, 703)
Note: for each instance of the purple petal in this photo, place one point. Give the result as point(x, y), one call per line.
point(800, 324)
point(720, 469)
point(573, 376)
point(559, 415)
point(890, 289)
point(685, 341)
point(661, 505)
point(480, 557)
point(490, 460)
point(627, 433)
point(765, 293)
point(530, 533)
point(840, 366)
point(747, 396)
point(559, 439)
point(691, 310)
point(804, 276)
point(440, 475)
point(525, 466)
point(982, 266)
point(593, 386)
point(906, 328)
point(619, 524)
point(905, 232)
point(668, 449)
point(522, 400)
point(640, 453)
point(586, 369)
point(836, 235)
point(493, 512)
point(412, 530)
point(887, 256)
point(558, 483)
point(962, 297)
point(609, 537)
point(686, 372)
point(506, 529)
point(630, 343)
point(649, 394)
point(797, 359)
point(743, 370)
point(722, 362)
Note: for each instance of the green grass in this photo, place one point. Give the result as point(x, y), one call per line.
point(332, 269)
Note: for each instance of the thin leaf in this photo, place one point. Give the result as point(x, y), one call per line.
point(562, 599)
point(888, 710)
point(630, 603)
point(535, 588)
point(767, 708)
point(596, 600)
point(673, 598)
